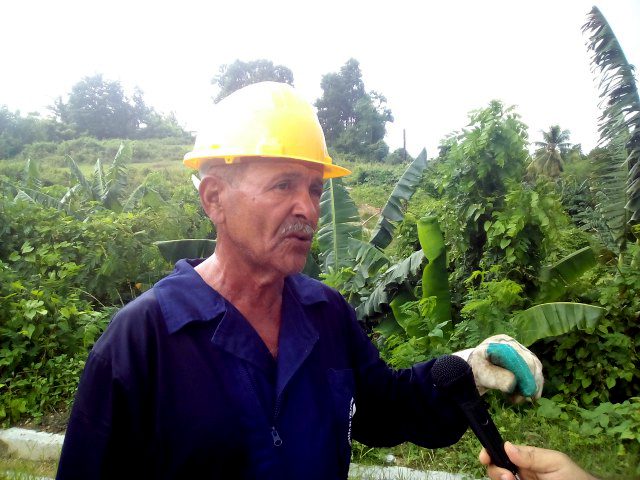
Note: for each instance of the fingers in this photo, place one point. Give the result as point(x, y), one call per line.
point(491, 376)
point(538, 459)
point(494, 472)
point(484, 457)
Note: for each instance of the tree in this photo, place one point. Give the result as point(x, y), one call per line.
point(549, 157)
point(240, 74)
point(16, 131)
point(100, 108)
point(352, 119)
point(474, 173)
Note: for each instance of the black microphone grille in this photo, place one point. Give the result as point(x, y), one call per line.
point(448, 370)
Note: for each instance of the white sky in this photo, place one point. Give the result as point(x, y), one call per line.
point(434, 61)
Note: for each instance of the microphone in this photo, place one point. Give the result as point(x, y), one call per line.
point(453, 377)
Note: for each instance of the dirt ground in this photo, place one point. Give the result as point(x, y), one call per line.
point(55, 422)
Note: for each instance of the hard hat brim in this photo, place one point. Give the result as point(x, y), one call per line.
point(194, 160)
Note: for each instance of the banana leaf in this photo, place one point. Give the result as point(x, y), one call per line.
point(406, 321)
point(620, 102)
point(34, 196)
point(390, 283)
point(99, 186)
point(174, 250)
point(566, 271)
point(143, 195)
point(32, 174)
point(393, 211)
point(339, 221)
point(435, 282)
point(311, 267)
point(75, 170)
point(435, 278)
point(553, 319)
point(115, 179)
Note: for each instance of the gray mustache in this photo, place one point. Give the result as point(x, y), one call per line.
point(297, 227)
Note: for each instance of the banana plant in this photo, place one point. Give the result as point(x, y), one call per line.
point(435, 305)
point(105, 186)
point(617, 181)
point(393, 211)
point(355, 264)
point(540, 321)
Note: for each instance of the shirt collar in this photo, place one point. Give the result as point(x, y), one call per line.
point(184, 297)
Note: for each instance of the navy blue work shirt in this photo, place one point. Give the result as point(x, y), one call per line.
point(180, 385)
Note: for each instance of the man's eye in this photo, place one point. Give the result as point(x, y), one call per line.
point(283, 186)
point(316, 192)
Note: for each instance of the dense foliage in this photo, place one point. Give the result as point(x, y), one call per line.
point(62, 272)
point(95, 107)
point(483, 239)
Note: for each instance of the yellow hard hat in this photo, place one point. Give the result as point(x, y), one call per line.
point(264, 120)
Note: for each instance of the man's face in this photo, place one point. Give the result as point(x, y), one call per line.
point(271, 212)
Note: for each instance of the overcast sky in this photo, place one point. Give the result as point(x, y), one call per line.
point(434, 61)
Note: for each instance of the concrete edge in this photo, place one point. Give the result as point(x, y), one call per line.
point(31, 444)
point(42, 446)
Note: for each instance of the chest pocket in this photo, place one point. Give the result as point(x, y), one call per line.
point(342, 386)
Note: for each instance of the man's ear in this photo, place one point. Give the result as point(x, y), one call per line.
point(210, 190)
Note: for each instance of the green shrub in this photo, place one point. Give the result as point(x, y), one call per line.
point(46, 331)
point(605, 365)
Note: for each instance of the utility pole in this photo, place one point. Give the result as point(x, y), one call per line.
point(404, 146)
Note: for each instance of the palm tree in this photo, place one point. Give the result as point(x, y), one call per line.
point(548, 159)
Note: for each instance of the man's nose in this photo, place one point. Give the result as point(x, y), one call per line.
point(306, 206)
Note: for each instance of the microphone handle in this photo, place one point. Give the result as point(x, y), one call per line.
point(482, 425)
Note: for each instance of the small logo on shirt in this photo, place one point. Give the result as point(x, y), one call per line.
point(352, 412)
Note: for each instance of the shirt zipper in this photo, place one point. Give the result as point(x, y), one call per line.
point(277, 440)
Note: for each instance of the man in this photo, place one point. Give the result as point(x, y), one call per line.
point(237, 366)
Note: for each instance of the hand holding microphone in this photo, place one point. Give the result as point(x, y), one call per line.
point(453, 377)
point(536, 464)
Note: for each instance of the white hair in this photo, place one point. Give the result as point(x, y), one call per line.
point(228, 172)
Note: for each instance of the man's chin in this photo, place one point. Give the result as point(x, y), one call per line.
point(295, 265)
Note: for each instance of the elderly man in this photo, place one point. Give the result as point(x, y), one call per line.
point(238, 366)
